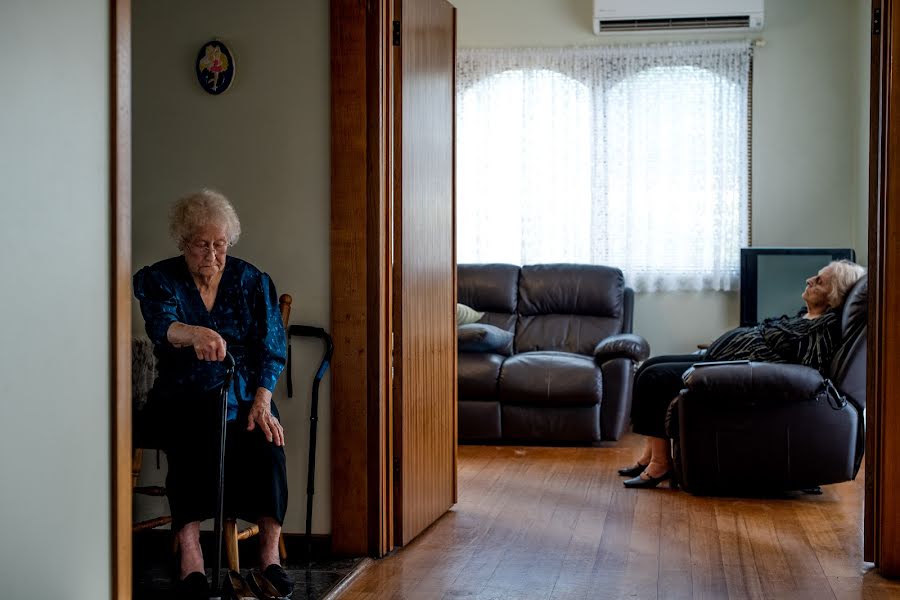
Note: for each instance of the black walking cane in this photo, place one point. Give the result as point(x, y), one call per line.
point(316, 332)
point(220, 495)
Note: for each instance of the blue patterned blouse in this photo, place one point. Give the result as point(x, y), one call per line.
point(245, 314)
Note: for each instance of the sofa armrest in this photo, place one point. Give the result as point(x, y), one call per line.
point(743, 382)
point(623, 345)
point(618, 379)
point(481, 337)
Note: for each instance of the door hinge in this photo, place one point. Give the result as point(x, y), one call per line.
point(396, 468)
point(876, 21)
point(395, 33)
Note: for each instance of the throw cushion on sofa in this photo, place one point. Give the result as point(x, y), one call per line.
point(466, 315)
point(480, 337)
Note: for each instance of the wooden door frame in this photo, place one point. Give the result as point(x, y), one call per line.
point(360, 315)
point(882, 523)
point(360, 251)
point(396, 174)
point(120, 295)
point(361, 107)
point(363, 76)
point(873, 350)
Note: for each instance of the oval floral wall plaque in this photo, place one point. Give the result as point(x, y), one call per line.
point(215, 67)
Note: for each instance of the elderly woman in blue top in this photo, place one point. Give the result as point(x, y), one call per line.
point(195, 307)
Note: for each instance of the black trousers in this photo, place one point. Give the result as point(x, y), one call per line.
point(255, 469)
point(656, 384)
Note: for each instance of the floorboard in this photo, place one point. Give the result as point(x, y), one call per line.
point(557, 524)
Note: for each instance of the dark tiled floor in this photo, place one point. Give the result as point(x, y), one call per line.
point(153, 580)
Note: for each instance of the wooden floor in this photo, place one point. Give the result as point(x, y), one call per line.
point(556, 523)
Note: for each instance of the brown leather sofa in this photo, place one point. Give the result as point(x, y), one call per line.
point(552, 360)
point(762, 427)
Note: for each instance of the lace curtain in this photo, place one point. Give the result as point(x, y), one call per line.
point(629, 156)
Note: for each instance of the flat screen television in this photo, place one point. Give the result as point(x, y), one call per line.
point(772, 279)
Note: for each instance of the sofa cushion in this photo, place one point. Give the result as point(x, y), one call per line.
point(588, 290)
point(489, 288)
point(563, 333)
point(550, 379)
point(568, 308)
point(478, 337)
point(492, 289)
point(477, 375)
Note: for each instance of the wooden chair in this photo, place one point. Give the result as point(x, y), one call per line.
point(143, 372)
point(150, 490)
point(230, 530)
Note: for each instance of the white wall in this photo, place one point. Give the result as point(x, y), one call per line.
point(54, 300)
point(863, 73)
point(810, 102)
point(265, 144)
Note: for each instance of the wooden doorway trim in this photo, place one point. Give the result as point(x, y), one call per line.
point(873, 326)
point(360, 278)
point(364, 467)
point(120, 295)
point(361, 477)
point(883, 484)
point(361, 483)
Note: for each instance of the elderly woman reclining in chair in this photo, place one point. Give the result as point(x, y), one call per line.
point(810, 338)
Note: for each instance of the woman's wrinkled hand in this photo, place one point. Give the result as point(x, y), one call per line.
point(208, 345)
point(261, 416)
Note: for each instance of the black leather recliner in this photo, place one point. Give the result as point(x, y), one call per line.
point(763, 427)
point(552, 360)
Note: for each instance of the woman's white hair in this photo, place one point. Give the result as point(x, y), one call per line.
point(844, 274)
point(199, 209)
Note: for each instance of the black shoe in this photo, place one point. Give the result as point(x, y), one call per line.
point(632, 471)
point(263, 588)
point(236, 588)
point(652, 482)
point(193, 587)
point(279, 578)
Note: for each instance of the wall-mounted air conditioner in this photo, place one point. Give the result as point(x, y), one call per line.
point(642, 16)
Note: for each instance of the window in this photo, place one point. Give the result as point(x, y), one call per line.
point(527, 134)
point(635, 157)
